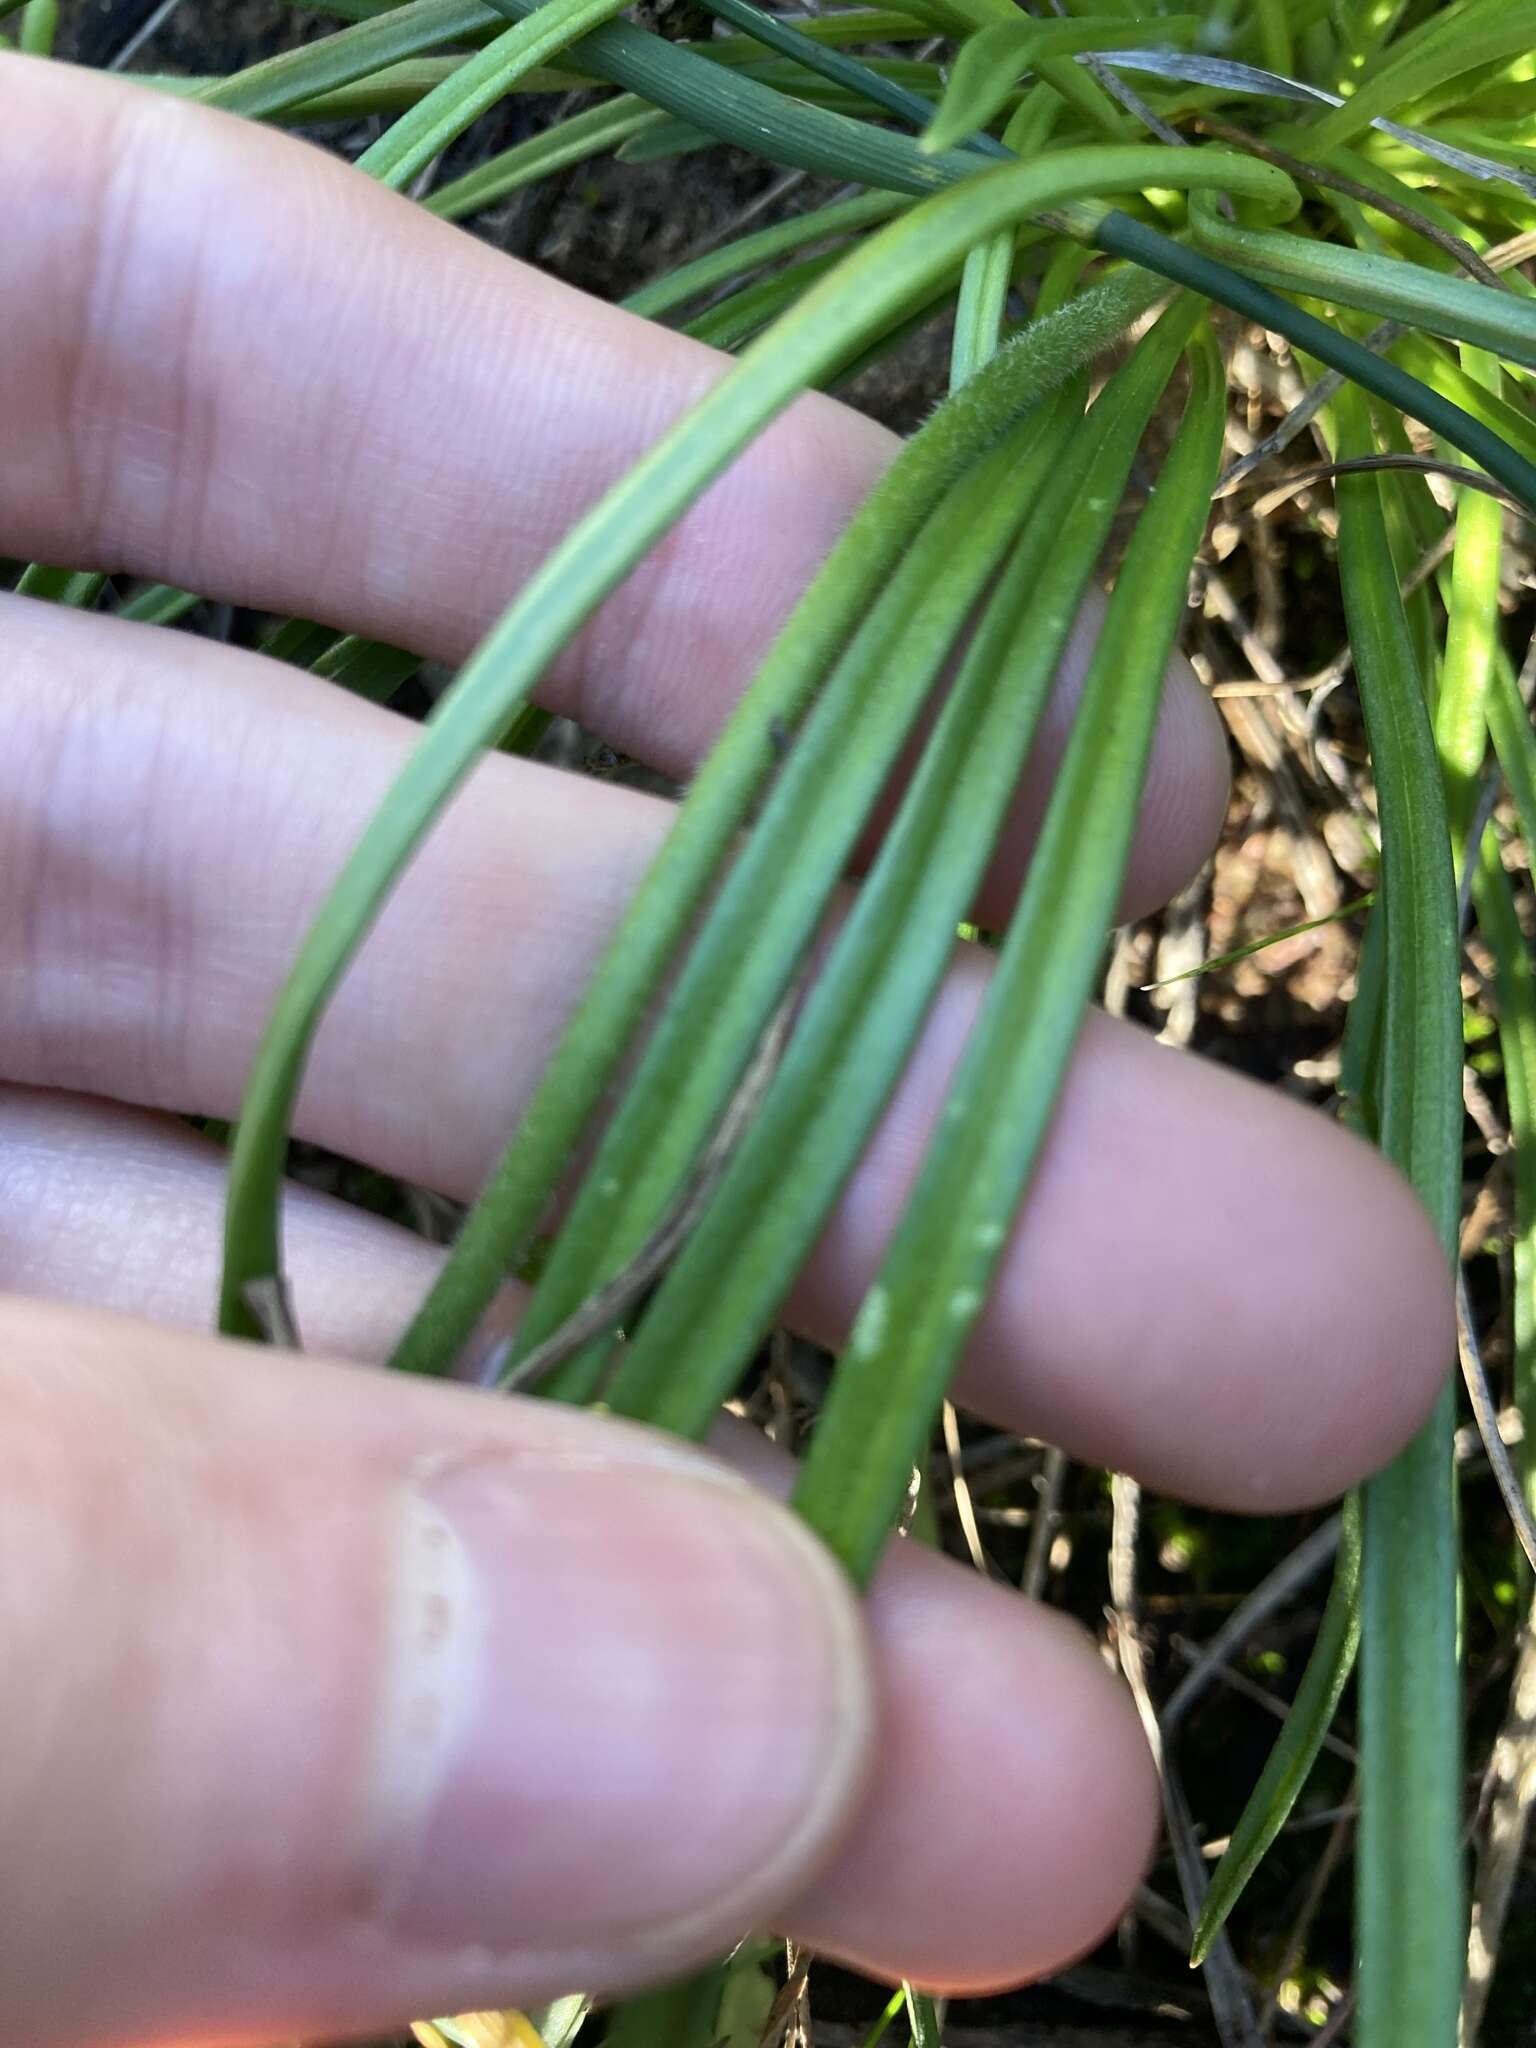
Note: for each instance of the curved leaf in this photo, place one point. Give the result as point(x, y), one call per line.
point(990, 63)
point(1290, 1761)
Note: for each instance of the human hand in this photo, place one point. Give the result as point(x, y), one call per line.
point(336, 1699)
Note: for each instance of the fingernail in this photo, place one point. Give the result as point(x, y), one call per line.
point(618, 1703)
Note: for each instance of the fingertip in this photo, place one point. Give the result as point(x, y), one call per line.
point(1262, 1314)
point(1018, 1803)
point(1381, 1339)
point(1348, 1324)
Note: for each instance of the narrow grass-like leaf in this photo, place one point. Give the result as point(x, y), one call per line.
point(351, 53)
point(39, 26)
point(738, 317)
point(1460, 307)
point(750, 252)
point(76, 588)
point(1244, 79)
point(1290, 1761)
point(1471, 641)
point(352, 10)
point(731, 107)
point(980, 306)
point(1410, 1929)
point(390, 91)
point(737, 109)
point(400, 86)
point(410, 144)
point(299, 642)
point(678, 2015)
point(396, 89)
point(1335, 1649)
point(1218, 961)
point(871, 286)
point(1436, 367)
point(585, 135)
point(793, 90)
point(1086, 96)
point(161, 604)
point(862, 1017)
point(692, 88)
point(988, 272)
point(1042, 357)
point(1275, 33)
point(846, 25)
point(882, 2026)
point(922, 2017)
point(1453, 41)
point(747, 312)
point(668, 139)
point(779, 35)
point(814, 95)
point(991, 61)
point(1122, 236)
point(368, 668)
point(1415, 524)
point(917, 1315)
point(770, 904)
point(1354, 176)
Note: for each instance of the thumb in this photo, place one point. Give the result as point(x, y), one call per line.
point(336, 1700)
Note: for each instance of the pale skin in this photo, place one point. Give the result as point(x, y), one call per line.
point(334, 1699)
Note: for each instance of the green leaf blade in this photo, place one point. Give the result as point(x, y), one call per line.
point(862, 1018)
point(934, 1280)
point(1411, 1927)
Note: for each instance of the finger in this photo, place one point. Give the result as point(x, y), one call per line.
point(174, 813)
point(1010, 1808)
point(190, 391)
point(350, 1699)
point(105, 1206)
